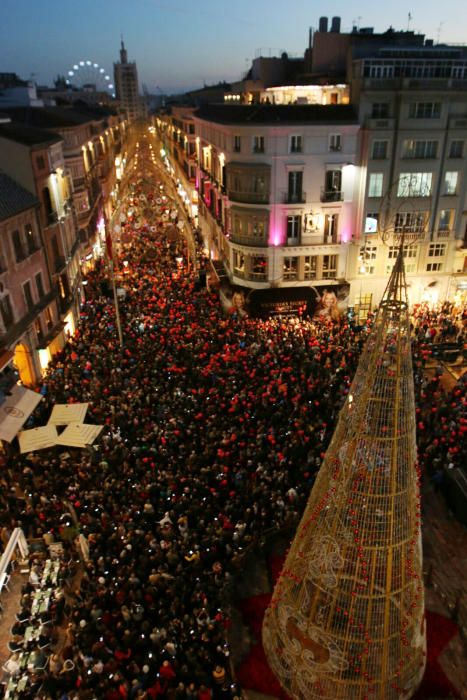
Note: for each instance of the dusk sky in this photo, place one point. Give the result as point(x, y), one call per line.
point(180, 44)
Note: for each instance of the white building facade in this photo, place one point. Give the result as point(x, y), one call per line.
point(413, 164)
point(276, 186)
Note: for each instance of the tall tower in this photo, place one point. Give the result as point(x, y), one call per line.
point(126, 85)
point(346, 620)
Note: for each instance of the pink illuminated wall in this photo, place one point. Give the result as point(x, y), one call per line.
point(277, 235)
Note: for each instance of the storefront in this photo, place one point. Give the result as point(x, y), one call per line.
point(321, 301)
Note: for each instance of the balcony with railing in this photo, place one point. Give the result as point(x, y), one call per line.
point(248, 197)
point(16, 330)
point(51, 218)
point(260, 241)
point(443, 233)
point(331, 195)
point(59, 265)
point(294, 197)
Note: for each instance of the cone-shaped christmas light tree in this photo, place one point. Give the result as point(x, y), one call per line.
point(346, 619)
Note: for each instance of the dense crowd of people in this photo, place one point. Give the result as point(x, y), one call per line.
point(215, 428)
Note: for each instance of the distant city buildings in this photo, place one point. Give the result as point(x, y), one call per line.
point(15, 92)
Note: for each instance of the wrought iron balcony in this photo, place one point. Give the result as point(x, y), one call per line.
point(294, 197)
point(249, 197)
point(331, 195)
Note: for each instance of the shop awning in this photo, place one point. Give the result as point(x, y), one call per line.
point(37, 438)
point(65, 413)
point(15, 411)
point(79, 434)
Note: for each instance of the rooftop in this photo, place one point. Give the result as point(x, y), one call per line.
point(28, 135)
point(273, 114)
point(57, 117)
point(13, 198)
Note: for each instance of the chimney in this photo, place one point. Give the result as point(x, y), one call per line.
point(336, 25)
point(323, 24)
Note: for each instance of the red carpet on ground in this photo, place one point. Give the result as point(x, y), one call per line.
point(255, 674)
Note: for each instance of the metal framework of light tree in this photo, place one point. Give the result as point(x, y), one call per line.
point(346, 619)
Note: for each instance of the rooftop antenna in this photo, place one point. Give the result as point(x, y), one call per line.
point(438, 33)
point(409, 19)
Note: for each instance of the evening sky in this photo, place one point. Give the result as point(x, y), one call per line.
point(181, 44)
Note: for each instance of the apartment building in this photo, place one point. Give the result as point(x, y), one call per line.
point(29, 318)
point(93, 141)
point(176, 131)
point(276, 185)
point(412, 166)
point(34, 158)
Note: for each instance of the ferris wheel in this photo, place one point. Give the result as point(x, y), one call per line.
point(88, 74)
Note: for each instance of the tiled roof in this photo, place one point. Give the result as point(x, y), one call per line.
point(274, 114)
point(13, 198)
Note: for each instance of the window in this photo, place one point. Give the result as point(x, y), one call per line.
point(329, 266)
point(332, 186)
point(446, 219)
point(38, 329)
point(238, 263)
point(28, 295)
point(259, 184)
point(293, 228)
point(410, 222)
point(425, 110)
point(237, 144)
point(436, 250)
point(49, 318)
point(456, 149)
point(39, 285)
point(331, 223)
point(409, 252)
point(296, 144)
point(381, 71)
point(290, 269)
point(380, 110)
point(256, 227)
point(414, 185)
point(420, 149)
point(309, 268)
point(434, 267)
point(30, 239)
point(371, 222)
point(450, 183)
point(379, 150)
point(6, 311)
point(366, 258)
point(259, 267)
point(295, 182)
point(335, 142)
point(258, 144)
point(17, 246)
point(375, 187)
